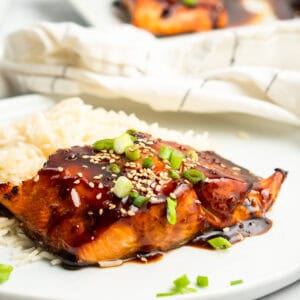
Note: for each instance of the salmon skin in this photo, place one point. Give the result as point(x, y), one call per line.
point(71, 207)
point(169, 17)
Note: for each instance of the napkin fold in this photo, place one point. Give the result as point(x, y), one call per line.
point(253, 70)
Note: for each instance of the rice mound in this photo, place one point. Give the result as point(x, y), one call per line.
point(26, 145)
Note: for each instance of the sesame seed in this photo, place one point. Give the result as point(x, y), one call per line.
point(172, 195)
point(143, 259)
point(36, 178)
point(103, 168)
point(91, 185)
point(100, 211)
point(90, 213)
point(226, 229)
point(100, 185)
point(60, 169)
point(158, 188)
point(85, 166)
point(111, 206)
point(79, 174)
point(131, 213)
point(112, 160)
point(85, 156)
point(123, 211)
point(99, 196)
point(76, 181)
point(236, 169)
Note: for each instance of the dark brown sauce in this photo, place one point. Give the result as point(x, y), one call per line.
point(235, 233)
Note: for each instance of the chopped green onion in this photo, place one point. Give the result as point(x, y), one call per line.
point(166, 294)
point(105, 144)
point(122, 187)
point(235, 282)
point(115, 168)
point(193, 175)
point(139, 201)
point(133, 194)
point(188, 290)
point(131, 131)
point(147, 162)
point(181, 286)
point(219, 243)
point(122, 142)
point(181, 282)
point(165, 152)
point(174, 174)
point(5, 271)
point(190, 2)
point(176, 159)
point(132, 153)
point(192, 154)
point(202, 281)
point(171, 210)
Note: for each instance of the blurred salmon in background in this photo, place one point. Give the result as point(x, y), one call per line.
point(169, 17)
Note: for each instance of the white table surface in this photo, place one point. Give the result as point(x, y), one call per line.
point(15, 14)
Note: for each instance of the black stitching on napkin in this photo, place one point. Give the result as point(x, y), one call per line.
point(275, 76)
point(187, 93)
point(234, 48)
point(184, 98)
point(63, 74)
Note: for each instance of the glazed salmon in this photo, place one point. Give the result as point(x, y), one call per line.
point(167, 17)
point(96, 203)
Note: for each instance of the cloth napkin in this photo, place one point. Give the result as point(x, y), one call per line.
point(253, 70)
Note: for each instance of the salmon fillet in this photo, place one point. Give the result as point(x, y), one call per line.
point(72, 209)
point(170, 17)
point(167, 17)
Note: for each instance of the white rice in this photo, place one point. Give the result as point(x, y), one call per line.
point(25, 146)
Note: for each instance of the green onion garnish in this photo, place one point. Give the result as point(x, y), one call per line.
point(176, 159)
point(122, 142)
point(181, 282)
point(122, 187)
point(174, 174)
point(132, 153)
point(105, 144)
point(190, 2)
point(219, 243)
point(166, 294)
point(5, 271)
point(147, 162)
point(131, 131)
point(202, 281)
point(181, 286)
point(192, 154)
point(165, 152)
point(235, 282)
point(171, 210)
point(133, 194)
point(140, 200)
point(115, 168)
point(193, 175)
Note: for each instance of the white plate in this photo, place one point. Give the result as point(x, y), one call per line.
point(265, 263)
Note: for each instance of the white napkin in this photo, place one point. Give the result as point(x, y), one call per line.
point(253, 70)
